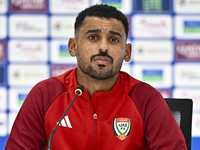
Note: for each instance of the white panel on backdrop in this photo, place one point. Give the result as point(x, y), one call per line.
point(29, 26)
point(67, 6)
point(60, 53)
point(126, 68)
point(193, 93)
point(124, 5)
point(152, 26)
point(159, 76)
point(3, 124)
point(28, 51)
point(187, 6)
point(3, 6)
point(17, 97)
point(11, 119)
point(187, 27)
point(27, 75)
point(62, 26)
point(196, 125)
point(152, 51)
point(3, 99)
point(3, 26)
point(187, 74)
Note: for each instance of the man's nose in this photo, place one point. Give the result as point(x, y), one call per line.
point(103, 45)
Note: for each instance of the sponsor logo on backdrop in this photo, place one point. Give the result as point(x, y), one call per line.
point(2, 75)
point(166, 93)
point(187, 27)
point(68, 6)
point(17, 97)
point(26, 75)
point(192, 26)
point(3, 27)
point(159, 76)
point(187, 6)
point(152, 5)
point(28, 6)
point(146, 26)
point(152, 51)
point(3, 6)
point(192, 93)
point(2, 51)
point(28, 51)
point(62, 26)
point(60, 69)
point(28, 26)
point(149, 75)
point(21, 98)
point(60, 52)
point(63, 51)
point(187, 74)
point(3, 99)
point(3, 124)
point(123, 5)
point(115, 3)
point(187, 50)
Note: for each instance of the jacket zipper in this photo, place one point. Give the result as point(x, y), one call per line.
point(95, 129)
point(95, 117)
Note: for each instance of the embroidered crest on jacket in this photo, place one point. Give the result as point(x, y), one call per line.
point(122, 127)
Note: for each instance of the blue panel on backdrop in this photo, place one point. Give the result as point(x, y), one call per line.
point(195, 143)
point(3, 142)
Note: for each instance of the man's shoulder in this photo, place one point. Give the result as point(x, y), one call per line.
point(56, 82)
point(128, 81)
point(133, 85)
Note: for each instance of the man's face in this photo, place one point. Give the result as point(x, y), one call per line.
point(101, 45)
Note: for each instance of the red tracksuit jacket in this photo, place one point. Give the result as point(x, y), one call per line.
point(132, 116)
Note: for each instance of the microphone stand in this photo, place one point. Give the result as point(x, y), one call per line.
point(54, 130)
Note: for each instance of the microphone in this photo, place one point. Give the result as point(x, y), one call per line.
point(79, 90)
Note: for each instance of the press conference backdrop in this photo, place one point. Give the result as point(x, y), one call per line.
point(165, 35)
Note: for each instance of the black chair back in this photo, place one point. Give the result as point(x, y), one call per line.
point(182, 111)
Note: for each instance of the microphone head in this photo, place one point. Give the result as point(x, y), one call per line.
point(79, 90)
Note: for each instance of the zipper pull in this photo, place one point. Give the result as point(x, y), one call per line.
point(95, 116)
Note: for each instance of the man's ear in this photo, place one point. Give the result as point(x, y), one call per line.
point(72, 46)
point(128, 50)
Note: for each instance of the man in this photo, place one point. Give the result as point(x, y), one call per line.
point(115, 112)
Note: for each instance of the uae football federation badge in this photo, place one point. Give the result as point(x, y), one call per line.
point(122, 127)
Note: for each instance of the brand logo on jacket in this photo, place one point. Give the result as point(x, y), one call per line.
point(65, 122)
point(122, 127)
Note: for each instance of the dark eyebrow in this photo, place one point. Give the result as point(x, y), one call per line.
point(93, 31)
point(115, 33)
point(98, 31)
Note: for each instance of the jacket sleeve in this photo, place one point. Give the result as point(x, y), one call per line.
point(28, 131)
point(160, 128)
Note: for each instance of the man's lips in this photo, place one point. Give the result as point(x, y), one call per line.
point(102, 60)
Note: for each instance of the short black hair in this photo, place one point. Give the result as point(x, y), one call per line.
point(102, 11)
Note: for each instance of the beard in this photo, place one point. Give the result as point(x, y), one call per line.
point(99, 74)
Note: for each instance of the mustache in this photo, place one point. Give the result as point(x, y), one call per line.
point(104, 54)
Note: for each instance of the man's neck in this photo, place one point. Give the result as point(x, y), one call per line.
point(94, 85)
